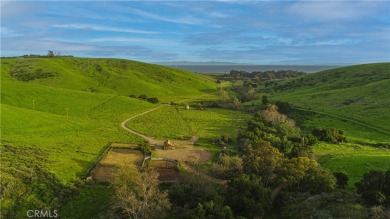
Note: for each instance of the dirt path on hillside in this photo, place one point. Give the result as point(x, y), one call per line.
point(149, 139)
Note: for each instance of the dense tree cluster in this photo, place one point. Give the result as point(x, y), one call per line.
point(330, 135)
point(266, 75)
point(375, 187)
point(145, 98)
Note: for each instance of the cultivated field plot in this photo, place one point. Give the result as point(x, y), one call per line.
point(186, 153)
point(168, 171)
point(105, 170)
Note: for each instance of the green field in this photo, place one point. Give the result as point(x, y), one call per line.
point(59, 114)
point(174, 121)
point(354, 159)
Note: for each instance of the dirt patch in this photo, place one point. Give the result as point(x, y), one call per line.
point(186, 154)
point(115, 157)
point(168, 171)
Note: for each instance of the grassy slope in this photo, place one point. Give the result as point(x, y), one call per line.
point(94, 117)
point(354, 98)
point(352, 158)
point(115, 76)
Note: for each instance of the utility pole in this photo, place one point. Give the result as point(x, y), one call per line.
point(67, 113)
point(33, 104)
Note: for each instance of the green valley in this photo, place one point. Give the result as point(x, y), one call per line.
point(216, 142)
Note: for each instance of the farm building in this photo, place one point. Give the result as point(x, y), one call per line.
point(167, 144)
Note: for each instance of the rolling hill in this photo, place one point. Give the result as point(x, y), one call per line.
point(38, 93)
point(355, 99)
point(59, 114)
point(111, 76)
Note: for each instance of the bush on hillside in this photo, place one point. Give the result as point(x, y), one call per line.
point(25, 75)
point(330, 135)
point(143, 97)
point(283, 107)
point(341, 179)
point(153, 100)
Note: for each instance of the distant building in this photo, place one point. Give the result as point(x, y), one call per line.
point(187, 107)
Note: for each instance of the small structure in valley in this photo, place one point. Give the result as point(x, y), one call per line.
point(167, 144)
point(187, 107)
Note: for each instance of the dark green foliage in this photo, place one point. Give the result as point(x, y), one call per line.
point(227, 167)
point(283, 107)
point(264, 100)
point(248, 197)
point(318, 180)
point(145, 148)
point(146, 98)
point(50, 54)
point(266, 75)
point(374, 197)
point(197, 199)
point(99, 68)
point(330, 135)
point(212, 210)
point(132, 96)
point(375, 187)
point(23, 75)
point(153, 100)
point(339, 204)
point(143, 97)
point(341, 178)
point(263, 160)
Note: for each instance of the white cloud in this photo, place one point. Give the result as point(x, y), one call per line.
point(147, 41)
point(7, 32)
point(331, 10)
point(102, 28)
point(179, 20)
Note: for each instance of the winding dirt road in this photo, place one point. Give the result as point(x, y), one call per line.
point(150, 139)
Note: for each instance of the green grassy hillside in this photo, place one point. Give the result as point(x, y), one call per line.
point(354, 159)
point(111, 76)
point(94, 94)
point(59, 114)
point(355, 99)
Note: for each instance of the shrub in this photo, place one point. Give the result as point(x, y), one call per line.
point(283, 107)
point(374, 197)
point(330, 135)
point(341, 179)
point(145, 148)
point(143, 97)
point(152, 100)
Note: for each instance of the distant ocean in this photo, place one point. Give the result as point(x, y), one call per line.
point(251, 68)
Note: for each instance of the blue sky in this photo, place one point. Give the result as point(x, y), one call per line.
point(258, 32)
